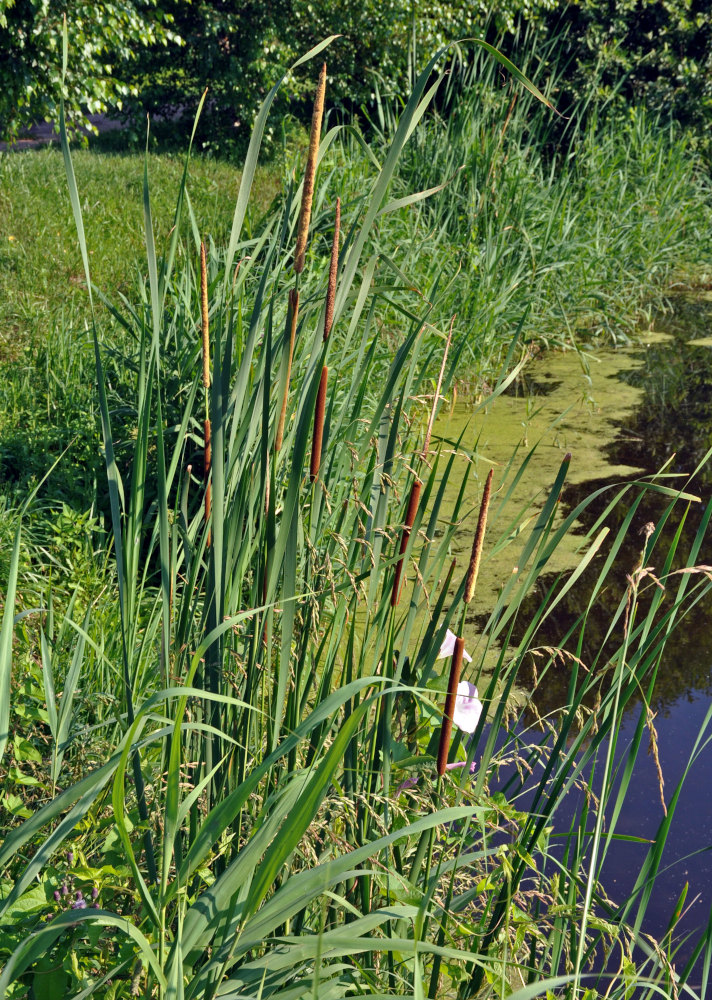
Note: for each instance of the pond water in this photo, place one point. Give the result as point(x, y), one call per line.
point(621, 414)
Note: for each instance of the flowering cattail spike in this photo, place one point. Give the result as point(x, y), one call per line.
point(292, 315)
point(319, 411)
point(446, 727)
point(309, 174)
point(333, 270)
point(204, 315)
point(471, 579)
point(409, 519)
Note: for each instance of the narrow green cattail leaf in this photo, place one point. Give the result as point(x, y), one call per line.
point(206, 472)
point(471, 579)
point(6, 632)
point(446, 728)
point(204, 316)
point(409, 518)
point(317, 438)
point(333, 270)
point(436, 399)
point(310, 173)
point(292, 316)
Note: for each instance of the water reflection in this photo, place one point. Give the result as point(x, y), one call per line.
point(672, 424)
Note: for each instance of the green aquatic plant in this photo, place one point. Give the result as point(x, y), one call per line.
point(248, 809)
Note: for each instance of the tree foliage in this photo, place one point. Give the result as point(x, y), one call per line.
point(106, 36)
point(229, 46)
point(157, 56)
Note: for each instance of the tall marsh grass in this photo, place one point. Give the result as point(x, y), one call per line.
point(572, 228)
point(241, 729)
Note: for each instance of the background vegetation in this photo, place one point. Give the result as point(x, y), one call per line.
point(157, 56)
point(219, 721)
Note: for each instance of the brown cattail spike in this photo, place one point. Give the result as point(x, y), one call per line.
point(409, 519)
point(292, 315)
point(446, 727)
point(471, 579)
point(319, 411)
point(309, 173)
point(333, 271)
point(204, 315)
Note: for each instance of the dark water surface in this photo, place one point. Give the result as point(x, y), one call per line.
point(671, 423)
point(674, 421)
point(645, 407)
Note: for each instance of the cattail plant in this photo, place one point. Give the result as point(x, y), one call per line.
point(476, 554)
point(310, 173)
point(436, 399)
point(320, 407)
point(456, 661)
point(207, 456)
point(333, 271)
point(410, 513)
point(446, 727)
point(317, 438)
point(417, 483)
point(292, 316)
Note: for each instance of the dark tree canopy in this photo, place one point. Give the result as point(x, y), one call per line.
point(157, 56)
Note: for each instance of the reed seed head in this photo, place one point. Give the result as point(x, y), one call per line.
point(333, 271)
point(204, 315)
point(473, 569)
point(310, 173)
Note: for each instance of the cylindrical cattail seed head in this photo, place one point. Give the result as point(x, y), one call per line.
point(333, 270)
point(309, 173)
point(410, 513)
point(446, 727)
point(292, 316)
point(471, 579)
point(204, 315)
point(317, 438)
